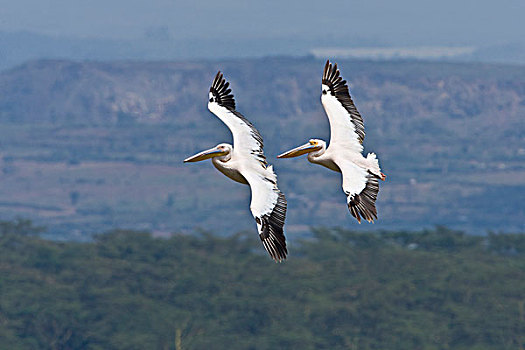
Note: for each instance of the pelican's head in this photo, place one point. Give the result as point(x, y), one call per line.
point(314, 145)
point(222, 151)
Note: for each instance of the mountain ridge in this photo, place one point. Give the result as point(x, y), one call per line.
point(73, 132)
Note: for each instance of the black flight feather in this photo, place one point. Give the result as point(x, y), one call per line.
point(272, 233)
point(364, 204)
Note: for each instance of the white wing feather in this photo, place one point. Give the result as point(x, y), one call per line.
point(264, 192)
point(247, 142)
point(268, 207)
point(342, 130)
point(346, 124)
point(246, 139)
point(354, 177)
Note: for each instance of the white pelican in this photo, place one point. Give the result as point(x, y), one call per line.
point(246, 163)
point(344, 154)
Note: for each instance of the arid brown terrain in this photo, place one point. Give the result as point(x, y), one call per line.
point(88, 146)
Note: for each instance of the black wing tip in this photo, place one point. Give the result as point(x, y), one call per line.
point(221, 92)
point(332, 76)
point(363, 205)
point(272, 235)
point(327, 68)
point(277, 251)
point(217, 78)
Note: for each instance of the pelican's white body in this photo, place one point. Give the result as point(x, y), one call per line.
point(262, 180)
point(344, 154)
point(243, 167)
point(245, 163)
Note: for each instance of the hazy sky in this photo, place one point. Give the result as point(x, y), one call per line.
point(404, 22)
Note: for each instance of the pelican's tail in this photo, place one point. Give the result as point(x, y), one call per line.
point(373, 166)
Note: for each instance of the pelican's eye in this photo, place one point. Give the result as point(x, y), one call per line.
point(324, 92)
point(313, 143)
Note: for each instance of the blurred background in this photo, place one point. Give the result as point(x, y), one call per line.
point(100, 102)
point(175, 30)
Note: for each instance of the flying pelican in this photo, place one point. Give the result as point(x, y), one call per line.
point(344, 154)
point(246, 163)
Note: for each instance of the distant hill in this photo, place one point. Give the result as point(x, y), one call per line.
point(92, 145)
point(158, 43)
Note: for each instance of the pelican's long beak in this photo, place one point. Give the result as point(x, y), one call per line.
point(299, 151)
point(209, 153)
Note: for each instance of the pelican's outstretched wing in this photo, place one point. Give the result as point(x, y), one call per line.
point(361, 188)
point(268, 206)
point(346, 124)
point(246, 139)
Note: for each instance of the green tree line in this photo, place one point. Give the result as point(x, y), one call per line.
point(339, 289)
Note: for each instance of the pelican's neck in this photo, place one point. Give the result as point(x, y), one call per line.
point(229, 168)
point(320, 157)
point(316, 155)
point(223, 159)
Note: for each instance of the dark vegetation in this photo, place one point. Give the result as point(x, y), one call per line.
point(340, 289)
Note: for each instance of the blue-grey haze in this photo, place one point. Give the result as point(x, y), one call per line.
point(176, 30)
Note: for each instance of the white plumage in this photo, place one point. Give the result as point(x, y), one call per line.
point(344, 153)
point(245, 163)
point(342, 130)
